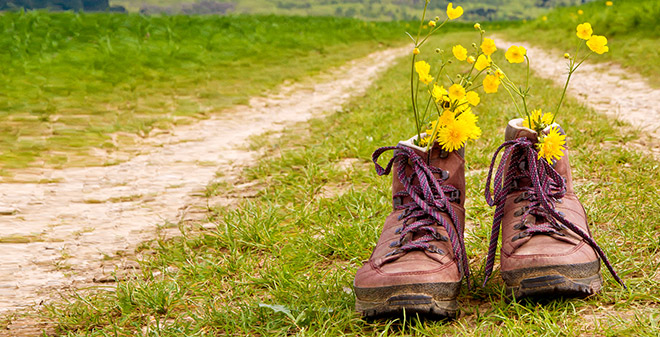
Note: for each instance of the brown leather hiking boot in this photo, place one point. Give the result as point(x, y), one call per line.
point(547, 248)
point(419, 260)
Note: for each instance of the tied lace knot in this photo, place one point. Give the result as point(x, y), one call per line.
point(429, 199)
point(546, 188)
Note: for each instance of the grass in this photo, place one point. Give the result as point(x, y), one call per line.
point(78, 88)
point(283, 262)
point(632, 29)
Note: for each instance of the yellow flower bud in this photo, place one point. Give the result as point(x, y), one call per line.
point(609, 3)
point(437, 18)
point(544, 18)
point(431, 23)
point(477, 26)
point(470, 59)
point(567, 56)
point(438, 50)
point(416, 51)
point(580, 12)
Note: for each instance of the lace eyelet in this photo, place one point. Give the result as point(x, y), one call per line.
point(444, 175)
point(522, 196)
point(521, 211)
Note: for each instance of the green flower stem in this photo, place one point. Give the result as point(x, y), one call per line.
point(413, 96)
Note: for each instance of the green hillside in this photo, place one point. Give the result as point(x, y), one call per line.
point(364, 9)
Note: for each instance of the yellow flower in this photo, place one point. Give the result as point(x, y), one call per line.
point(609, 3)
point(447, 118)
point(598, 44)
point(551, 146)
point(580, 12)
point(459, 52)
point(416, 51)
point(491, 83)
point(470, 59)
point(453, 136)
point(482, 62)
point(516, 54)
point(539, 119)
point(454, 13)
point(432, 23)
point(544, 18)
point(477, 26)
point(584, 31)
point(439, 92)
point(469, 121)
point(472, 98)
point(488, 46)
point(456, 91)
point(422, 68)
point(567, 56)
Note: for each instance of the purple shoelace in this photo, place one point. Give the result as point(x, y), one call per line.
point(429, 200)
point(547, 188)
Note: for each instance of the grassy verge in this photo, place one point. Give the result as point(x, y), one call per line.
point(76, 88)
point(283, 262)
point(632, 29)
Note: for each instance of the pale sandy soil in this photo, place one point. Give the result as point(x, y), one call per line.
point(604, 87)
point(73, 232)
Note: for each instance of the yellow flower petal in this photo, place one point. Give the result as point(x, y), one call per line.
point(516, 54)
point(584, 31)
point(456, 91)
point(482, 62)
point(453, 136)
point(598, 44)
point(491, 84)
point(438, 92)
point(459, 52)
point(472, 98)
point(551, 146)
point(488, 46)
point(454, 13)
point(422, 68)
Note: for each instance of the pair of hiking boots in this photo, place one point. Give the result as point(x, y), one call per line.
point(420, 259)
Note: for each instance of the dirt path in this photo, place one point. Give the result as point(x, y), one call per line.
point(68, 233)
point(604, 87)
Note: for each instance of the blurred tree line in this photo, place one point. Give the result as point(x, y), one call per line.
point(64, 5)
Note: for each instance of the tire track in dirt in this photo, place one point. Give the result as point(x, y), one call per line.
point(62, 234)
point(604, 87)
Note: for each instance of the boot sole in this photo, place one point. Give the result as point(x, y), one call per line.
point(432, 300)
point(574, 280)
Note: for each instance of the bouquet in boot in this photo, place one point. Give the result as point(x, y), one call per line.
point(420, 260)
point(547, 248)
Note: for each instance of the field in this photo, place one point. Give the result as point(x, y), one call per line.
point(632, 28)
point(282, 261)
point(81, 84)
